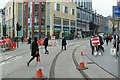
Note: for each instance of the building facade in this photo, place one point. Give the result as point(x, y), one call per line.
point(1, 27)
point(34, 19)
point(110, 27)
point(58, 18)
point(84, 16)
point(13, 15)
point(49, 18)
point(2, 23)
point(62, 17)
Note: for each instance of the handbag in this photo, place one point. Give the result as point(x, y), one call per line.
point(113, 51)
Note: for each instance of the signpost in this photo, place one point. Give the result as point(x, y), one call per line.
point(53, 40)
point(95, 41)
point(116, 15)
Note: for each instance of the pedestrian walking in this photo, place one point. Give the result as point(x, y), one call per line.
point(116, 43)
point(93, 47)
point(64, 43)
point(22, 39)
point(34, 51)
point(107, 39)
point(100, 47)
point(45, 43)
point(110, 38)
point(29, 40)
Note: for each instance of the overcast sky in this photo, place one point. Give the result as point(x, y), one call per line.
point(103, 7)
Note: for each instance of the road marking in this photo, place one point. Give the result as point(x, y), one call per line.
point(9, 57)
point(3, 63)
point(18, 57)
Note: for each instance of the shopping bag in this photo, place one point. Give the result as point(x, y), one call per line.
point(95, 53)
point(99, 53)
point(113, 51)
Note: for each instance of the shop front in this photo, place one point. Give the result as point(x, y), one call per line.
point(56, 31)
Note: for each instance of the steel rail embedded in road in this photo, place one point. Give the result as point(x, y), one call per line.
point(77, 65)
point(103, 68)
point(52, 69)
point(82, 71)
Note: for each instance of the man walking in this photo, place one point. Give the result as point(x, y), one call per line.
point(22, 39)
point(64, 43)
point(45, 43)
point(34, 51)
point(101, 44)
point(116, 43)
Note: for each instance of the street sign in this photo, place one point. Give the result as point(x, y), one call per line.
point(116, 13)
point(52, 37)
point(95, 41)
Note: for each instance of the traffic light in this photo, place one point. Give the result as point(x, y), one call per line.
point(18, 27)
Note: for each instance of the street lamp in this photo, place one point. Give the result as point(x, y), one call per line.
point(81, 17)
point(13, 21)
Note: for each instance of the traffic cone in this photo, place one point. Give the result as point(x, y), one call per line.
point(82, 65)
point(39, 73)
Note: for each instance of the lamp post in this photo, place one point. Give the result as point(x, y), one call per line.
point(81, 18)
point(13, 21)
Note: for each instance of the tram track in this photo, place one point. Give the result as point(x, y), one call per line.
point(52, 69)
point(82, 72)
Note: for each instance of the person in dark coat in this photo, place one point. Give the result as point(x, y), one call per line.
point(45, 43)
point(116, 38)
point(92, 46)
point(29, 40)
point(34, 51)
point(22, 39)
point(64, 43)
point(101, 44)
point(107, 39)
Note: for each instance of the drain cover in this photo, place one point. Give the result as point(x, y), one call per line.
point(90, 62)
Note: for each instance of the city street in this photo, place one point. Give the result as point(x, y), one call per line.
point(77, 39)
point(60, 64)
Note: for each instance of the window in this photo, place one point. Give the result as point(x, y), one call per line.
point(57, 20)
point(66, 22)
point(78, 24)
point(58, 7)
point(55, 6)
point(63, 9)
point(78, 13)
point(66, 9)
point(72, 12)
point(72, 23)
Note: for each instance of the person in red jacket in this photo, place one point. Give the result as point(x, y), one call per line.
point(110, 38)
